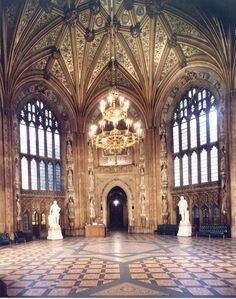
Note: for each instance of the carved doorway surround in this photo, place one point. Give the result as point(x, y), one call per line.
point(104, 195)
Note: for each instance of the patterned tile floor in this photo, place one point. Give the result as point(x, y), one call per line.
point(120, 265)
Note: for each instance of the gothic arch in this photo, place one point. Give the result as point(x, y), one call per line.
point(107, 188)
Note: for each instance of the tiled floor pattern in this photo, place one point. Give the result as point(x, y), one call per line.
point(121, 265)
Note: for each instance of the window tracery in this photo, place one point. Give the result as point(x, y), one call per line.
point(40, 148)
point(195, 139)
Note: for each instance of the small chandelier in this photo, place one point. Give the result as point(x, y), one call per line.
point(115, 131)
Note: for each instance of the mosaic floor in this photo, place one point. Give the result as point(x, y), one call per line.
point(121, 265)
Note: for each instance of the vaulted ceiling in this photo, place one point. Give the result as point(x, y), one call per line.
point(67, 44)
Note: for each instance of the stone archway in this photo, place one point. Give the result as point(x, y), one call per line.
point(104, 194)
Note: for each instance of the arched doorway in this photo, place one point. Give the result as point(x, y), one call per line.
point(117, 216)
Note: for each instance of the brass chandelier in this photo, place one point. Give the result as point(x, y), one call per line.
point(115, 131)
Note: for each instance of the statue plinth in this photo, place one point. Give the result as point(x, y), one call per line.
point(54, 233)
point(185, 229)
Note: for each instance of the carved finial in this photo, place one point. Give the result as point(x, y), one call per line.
point(89, 35)
point(172, 42)
point(55, 53)
point(46, 75)
point(135, 30)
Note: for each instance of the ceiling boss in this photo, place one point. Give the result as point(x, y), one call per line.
point(115, 131)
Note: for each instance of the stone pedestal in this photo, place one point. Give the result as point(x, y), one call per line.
point(185, 229)
point(54, 233)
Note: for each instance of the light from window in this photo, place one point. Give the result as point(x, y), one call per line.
point(57, 144)
point(176, 172)
point(213, 124)
point(41, 141)
point(23, 138)
point(185, 170)
point(204, 174)
point(214, 164)
point(42, 176)
point(24, 173)
point(195, 128)
point(193, 132)
point(32, 138)
point(40, 146)
point(184, 134)
point(194, 168)
point(34, 177)
point(50, 176)
point(202, 128)
point(49, 143)
point(176, 137)
point(58, 177)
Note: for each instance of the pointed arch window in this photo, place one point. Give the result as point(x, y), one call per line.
point(195, 139)
point(40, 148)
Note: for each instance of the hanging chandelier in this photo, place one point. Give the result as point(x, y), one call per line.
point(115, 131)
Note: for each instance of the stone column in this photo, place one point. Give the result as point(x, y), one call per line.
point(81, 179)
point(3, 227)
point(150, 177)
point(7, 207)
point(232, 157)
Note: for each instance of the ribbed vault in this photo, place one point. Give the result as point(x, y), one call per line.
point(66, 43)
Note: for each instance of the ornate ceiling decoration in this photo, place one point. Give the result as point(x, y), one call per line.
point(67, 42)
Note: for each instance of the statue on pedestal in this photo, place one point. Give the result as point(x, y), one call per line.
point(54, 214)
point(54, 232)
point(185, 228)
point(183, 210)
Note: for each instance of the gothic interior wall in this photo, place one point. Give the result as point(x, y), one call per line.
point(60, 55)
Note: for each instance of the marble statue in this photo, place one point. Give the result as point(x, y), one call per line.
point(183, 209)
point(54, 232)
point(185, 228)
point(54, 214)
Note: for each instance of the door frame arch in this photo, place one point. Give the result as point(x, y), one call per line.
point(104, 194)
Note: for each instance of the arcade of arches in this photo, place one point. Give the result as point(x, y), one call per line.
point(176, 63)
